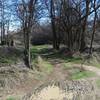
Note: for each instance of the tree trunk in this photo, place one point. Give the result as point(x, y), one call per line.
point(83, 43)
point(94, 23)
point(55, 40)
point(27, 50)
point(27, 26)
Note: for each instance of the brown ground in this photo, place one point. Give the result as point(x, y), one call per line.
point(88, 89)
point(29, 81)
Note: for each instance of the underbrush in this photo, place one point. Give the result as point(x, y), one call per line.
point(9, 55)
point(8, 60)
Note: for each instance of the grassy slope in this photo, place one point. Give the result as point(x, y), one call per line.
point(9, 55)
point(67, 62)
point(41, 58)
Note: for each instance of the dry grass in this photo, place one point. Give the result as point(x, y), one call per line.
point(52, 93)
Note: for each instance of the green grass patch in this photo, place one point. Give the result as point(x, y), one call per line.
point(67, 65)
point(96, 65)
point(8, 60)
point(36, 50)
point(82, 74)
point(93, 62)
point(98, 83)
point(11, 98)
point(69, 62)
point(43, 65)
point(41, 46)
point(9, 55)
point(66, 59)
point(48, 53)
point(77, 60)
point(46, 67)
point(14, 97)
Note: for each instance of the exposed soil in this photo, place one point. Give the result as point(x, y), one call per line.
point(20, 82)
point(93, 69)
point(62, 88)
point(58, 74)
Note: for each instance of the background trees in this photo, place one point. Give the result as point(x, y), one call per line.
point(7, 19)
point(71, 19)
point(65, 20)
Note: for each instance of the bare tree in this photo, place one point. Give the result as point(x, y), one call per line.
point(27, 10)
point(53, 24)
point(94, 26)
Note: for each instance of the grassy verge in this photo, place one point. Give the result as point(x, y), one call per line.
point(13, 98)
point(94, 60)
point(48, 53)
point(81, 75)
point(67, 66)
point(8, 60)
point(42, 65)
point(9, 55)
point(98, 83)
point(75, 72)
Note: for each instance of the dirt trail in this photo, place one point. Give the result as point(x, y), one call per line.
point(62, 74)
point(89, 68)
point(59, 74)
point(60, 92)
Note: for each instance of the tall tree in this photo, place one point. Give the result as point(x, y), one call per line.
point(94, 26)
point(53, 24)
point(27, 10)
point(83, 43)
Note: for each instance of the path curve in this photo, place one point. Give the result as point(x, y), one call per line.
point(90, 68)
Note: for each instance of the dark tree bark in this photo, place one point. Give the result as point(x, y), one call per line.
point(55, 39)
point(94, 26)
point(26, 14)
point(83, 42)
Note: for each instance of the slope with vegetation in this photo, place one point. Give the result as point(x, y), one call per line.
point(50, 44)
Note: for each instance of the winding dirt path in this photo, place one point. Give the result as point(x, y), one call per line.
point(58, 73)
point(52, 92)
point(90, 68)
